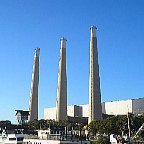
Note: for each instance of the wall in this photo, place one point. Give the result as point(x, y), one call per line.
point(122, 107)
point(138, 106)
point(50, 113)
point(118, 107)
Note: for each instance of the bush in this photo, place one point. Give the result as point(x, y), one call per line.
point(101, 140)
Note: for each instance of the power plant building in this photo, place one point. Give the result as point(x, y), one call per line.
point(135, 106)
point(94, 109)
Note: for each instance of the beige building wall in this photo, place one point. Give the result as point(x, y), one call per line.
point(50, 113)
point(118, 107)
point(122, 107)
point(73, 110)
point(85, 109)
point(70, 110)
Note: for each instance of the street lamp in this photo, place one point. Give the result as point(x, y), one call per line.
point(86, 133)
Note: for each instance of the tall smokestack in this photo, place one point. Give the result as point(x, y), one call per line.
point(95, 109)
point(61, 100)
point(33, 104)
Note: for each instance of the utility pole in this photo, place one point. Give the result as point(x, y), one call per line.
point(129, 134)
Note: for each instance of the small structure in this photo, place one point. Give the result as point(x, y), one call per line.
point(51, 132)
point(22, 116)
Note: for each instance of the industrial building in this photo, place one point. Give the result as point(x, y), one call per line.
point(135, 106)
point(62, 111)
point(94, 109)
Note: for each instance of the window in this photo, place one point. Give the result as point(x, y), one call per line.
point(12, 139)
point(20, 139)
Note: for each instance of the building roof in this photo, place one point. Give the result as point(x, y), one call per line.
point(25, 113)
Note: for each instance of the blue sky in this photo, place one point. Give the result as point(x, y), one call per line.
point(27, 24)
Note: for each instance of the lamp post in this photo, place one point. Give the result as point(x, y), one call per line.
point(128, 120)
point(86, 133)
point(80, 136)
point(129, 134)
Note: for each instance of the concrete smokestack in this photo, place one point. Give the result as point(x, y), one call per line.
point(95, 109)
point(61, 100)
point(33, 104)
